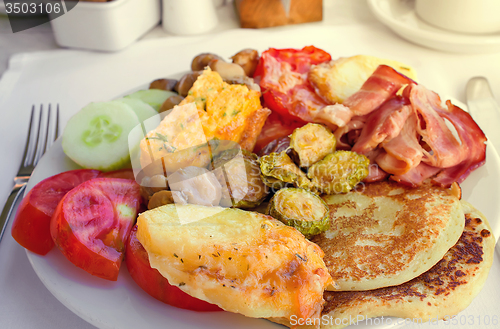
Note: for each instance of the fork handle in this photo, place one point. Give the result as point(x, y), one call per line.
point(9, 206)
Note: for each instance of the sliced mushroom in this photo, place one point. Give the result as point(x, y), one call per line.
point(163, 84)
point(248, 60)
point(227, 71)
point(199, 185)
point(247, 81)
point(201, 61)
point(162, 198)
point(151, 185)
point(171, 102)
point(186, 82)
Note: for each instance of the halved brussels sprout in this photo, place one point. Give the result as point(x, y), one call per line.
point(242, 177)
point(339, 172)
point(300, 209)
point(281, 167)
point(311, 143)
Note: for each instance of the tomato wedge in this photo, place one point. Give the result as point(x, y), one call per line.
point(283, 79)
point(152, 282)
point(31, 226)
point(92, 222)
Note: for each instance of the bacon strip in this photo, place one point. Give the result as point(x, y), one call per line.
point(383, 124)
point(379, 87)
point(383, 84)
point(404, 148)
point(446, 150)
point(473, 143)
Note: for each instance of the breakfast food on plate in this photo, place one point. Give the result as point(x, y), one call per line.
point(386, 234)
point(242, 261)
point(328, 134)
point(440, 293)
point(300, 209)
point(338, 79)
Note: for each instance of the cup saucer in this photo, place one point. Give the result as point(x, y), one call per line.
point(400, 16)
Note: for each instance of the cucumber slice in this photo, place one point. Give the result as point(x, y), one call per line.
point(154, 97)
point(142, 109)
point(97, 136)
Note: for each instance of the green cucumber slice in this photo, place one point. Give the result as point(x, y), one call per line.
point(154, 97)
point(142, 109)
point(97, 136)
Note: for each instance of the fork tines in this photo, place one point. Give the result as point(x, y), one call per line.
point(48, 127)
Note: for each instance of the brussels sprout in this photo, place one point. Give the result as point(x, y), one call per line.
point(274, 183)
point(240, 177)
point(311, 143)
point(339, 172)
point(300, 209)
point(281, 167)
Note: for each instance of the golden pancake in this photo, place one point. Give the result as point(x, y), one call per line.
point(386, 234)
point(440, 293)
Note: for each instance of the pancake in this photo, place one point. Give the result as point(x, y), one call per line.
point(386, 234)
point(440, 293)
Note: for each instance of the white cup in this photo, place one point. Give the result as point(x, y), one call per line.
point(186, 17)
point(465, 16)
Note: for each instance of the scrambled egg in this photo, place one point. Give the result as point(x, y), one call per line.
point(245, 262)
point(212, 110)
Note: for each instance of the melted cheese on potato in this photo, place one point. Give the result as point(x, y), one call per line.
point(245, 262)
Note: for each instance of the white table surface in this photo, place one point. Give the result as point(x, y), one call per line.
point(24, 301)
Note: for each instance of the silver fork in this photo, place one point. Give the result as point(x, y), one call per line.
point(39, 140)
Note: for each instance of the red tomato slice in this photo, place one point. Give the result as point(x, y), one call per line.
point(274, 128)
point(31, 226)
point(122, 173)
point(92, 222)
point(152, 282)
point(283, 79)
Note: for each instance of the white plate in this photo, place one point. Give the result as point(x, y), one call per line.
point(122, 304)
point(400, 16)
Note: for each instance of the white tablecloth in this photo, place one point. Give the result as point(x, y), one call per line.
point(75, 78)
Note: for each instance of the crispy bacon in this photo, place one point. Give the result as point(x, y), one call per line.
point(383, 124)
